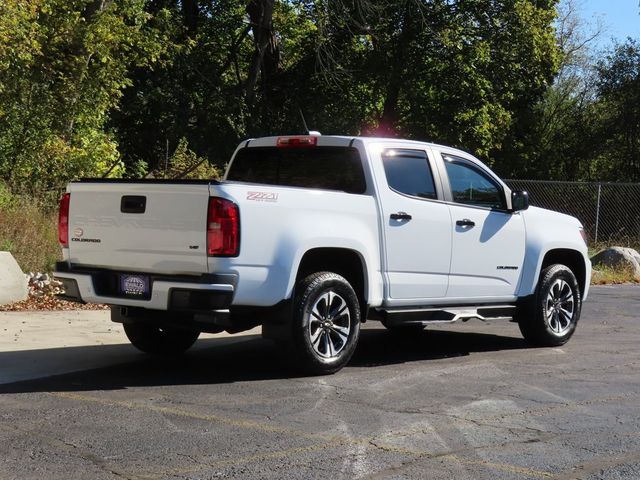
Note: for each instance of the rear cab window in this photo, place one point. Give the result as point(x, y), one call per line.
point(326, 168)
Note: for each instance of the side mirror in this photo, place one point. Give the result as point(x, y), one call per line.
point(519, 201)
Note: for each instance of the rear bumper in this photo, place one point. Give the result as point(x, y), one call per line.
point(202, 293)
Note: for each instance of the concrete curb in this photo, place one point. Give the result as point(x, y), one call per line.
point(13, 283)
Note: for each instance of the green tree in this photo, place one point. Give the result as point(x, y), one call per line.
point(618, 103)
point(196, 91)
point(454, 72)
point(63, 66)
point(553, 137)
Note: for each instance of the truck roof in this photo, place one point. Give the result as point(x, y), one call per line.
point(342, 140)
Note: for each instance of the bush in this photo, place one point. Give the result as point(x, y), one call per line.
point(185, 163)
point(28, 229)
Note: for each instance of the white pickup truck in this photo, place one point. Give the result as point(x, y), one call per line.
point(309, 236)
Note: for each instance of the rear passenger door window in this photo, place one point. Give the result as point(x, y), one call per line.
point(408, 172)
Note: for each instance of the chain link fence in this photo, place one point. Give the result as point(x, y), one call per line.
point(610, 212)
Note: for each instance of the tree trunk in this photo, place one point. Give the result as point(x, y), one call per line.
point(266, 45)
point(190, 10)
point(389, 118)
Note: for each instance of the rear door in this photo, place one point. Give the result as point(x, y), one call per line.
point(137, 227)
point(488, 243)
point(416, 225)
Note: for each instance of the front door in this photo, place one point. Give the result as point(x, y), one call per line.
point(488, 243)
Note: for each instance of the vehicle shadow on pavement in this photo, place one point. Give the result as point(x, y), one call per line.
point(381, 347)
point(216, 361)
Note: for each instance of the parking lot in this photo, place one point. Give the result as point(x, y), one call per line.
point(460, 401)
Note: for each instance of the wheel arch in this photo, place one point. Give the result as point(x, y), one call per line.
point(345, 262)
point(572, 259)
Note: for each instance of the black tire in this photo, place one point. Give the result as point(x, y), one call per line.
point(550, 318)
point(326, 323)
point(159, 340)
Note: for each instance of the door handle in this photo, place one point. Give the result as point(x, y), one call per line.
point(465, 222)
point(133, 204)
point(400, 216)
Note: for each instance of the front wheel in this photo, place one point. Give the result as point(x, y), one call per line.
point(551, 317)
point(159, 340)
point(326, 323)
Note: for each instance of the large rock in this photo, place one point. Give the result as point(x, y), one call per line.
point(616, 257)
point(13, 283)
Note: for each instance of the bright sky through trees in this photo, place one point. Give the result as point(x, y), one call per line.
point(621, 18)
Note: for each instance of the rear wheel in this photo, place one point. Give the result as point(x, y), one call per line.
point(159, 340)
point(326, 323)
point(551, 317)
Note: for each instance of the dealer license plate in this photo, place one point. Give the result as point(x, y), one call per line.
point(136, 286)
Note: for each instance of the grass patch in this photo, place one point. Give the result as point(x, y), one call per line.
point(30, 232)
point(602, 275)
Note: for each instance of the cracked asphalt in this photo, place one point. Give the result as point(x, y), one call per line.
point(465, 401)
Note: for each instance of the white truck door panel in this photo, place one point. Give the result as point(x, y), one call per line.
point(418, 250)
point(488, 243)
point(486, 257)
point(416, 227)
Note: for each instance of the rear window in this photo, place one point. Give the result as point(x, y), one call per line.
point(327, 168)
point(408, 172)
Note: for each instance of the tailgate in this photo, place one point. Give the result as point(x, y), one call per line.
point(139, 227)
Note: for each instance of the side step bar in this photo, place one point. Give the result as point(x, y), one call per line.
point(426, 316)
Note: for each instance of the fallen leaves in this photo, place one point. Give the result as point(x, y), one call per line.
point(49, 302)
point(42, 296)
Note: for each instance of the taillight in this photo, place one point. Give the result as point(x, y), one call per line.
point(223, 228)
point(63, 220)
point(297, 141)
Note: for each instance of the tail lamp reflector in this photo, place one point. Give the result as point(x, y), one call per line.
point(223, 228)
point(63, 220)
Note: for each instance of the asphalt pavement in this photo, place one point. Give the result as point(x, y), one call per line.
point(464, 401)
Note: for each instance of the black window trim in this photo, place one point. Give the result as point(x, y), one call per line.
point(477, 168)
point(435, 174)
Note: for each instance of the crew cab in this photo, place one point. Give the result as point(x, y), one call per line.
point(310, 236)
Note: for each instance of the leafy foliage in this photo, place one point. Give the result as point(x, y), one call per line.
point(455, 72)
point(110, 87)
point(63, 65)
point(618, 108)
point(185, 163)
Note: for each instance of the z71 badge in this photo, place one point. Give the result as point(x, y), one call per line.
point(262, 196)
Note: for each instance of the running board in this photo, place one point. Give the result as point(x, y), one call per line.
point(426, 316)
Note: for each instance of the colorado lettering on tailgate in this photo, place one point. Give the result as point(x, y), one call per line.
point(149, 223)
